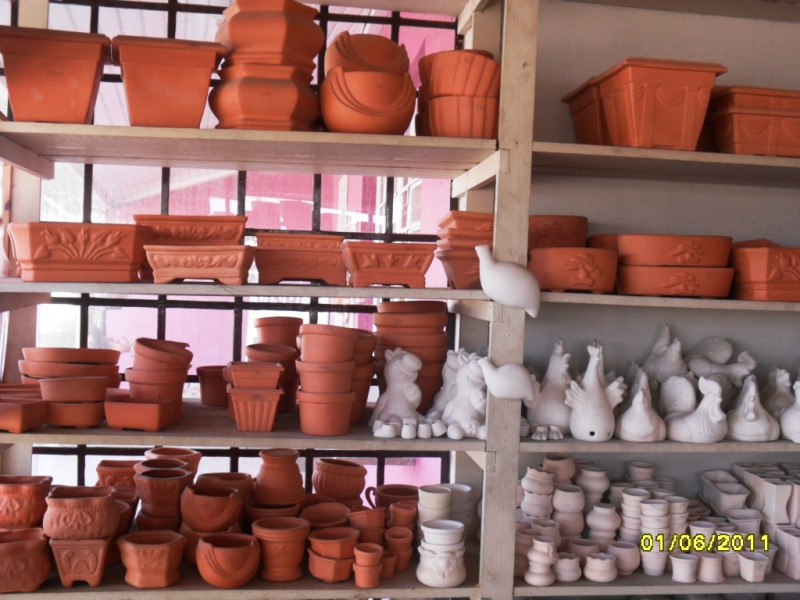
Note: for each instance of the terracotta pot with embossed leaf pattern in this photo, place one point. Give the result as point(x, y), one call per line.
point(697, 282)
point(767, 273)
point(574, 269)
point(80, 513)
point(22, 500)
point(24, 560)
point(152, 558)
point(160, 491)
point(295, 257)
point(674, 250)
point(399, 263)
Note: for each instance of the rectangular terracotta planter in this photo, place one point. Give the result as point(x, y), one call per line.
point(298, 257)
point(759, 131)
point(698, 282)
point(21, 414)
point(398, 263)
point(78, 251)
point(145, 414)
point(180, 230)
point(767, 274)
point(586, 106)
point(261, 375)
point(53, 76)
point(462, 269)
point(226, 264)
point(574, 269)
point(739, 96)
point(652, 103)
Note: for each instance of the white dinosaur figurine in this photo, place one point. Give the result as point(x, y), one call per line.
point(704, 425)
point(465, 414)
point(665, 361)
point(508, 283)
point(592, 417)
point(641, 423)
point(777, 395)
point(549, 411)
point(402, 395)
point(454, 360)
point(790, 418)
point(749, 421)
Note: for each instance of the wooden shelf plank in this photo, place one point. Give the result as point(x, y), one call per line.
point(616, 446)
point(770, 10)
point(666, 165)
point(281, 151)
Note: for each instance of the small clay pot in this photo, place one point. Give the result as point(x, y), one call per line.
point(228, 560)
point(193, 537)
point(54, 370)
point(342, 480)
point(253, 375)
point(368, 576)
point(368, 555)
point(162, 351)
point(464, 73)
point(22, 498)
point(368, 517)
point(243, 482)
point(74, 389)
point(154, 377)
point(80, 513)
point(388, 564)
point(329, 514)
point(398, 538)
point(283, 543)
point(574, 269)
point(282, 331)
point(81, 560)
point(334, 542)
point(192, 457)
point(19, 414)
point(212, 386)
point(24, 559)
point(116, 473)
point(327, 343)
point(412, 306)
point(329, 570)
point(151, 558)
point(321, 378)
point(674, 250)
point(279, 481)
point(366, 52)
point(145, 522)
point(254, 409)
point(270, 353)
point(325, 415)
point(210, 508)
point(371, 535)
point(161, 463)
point(160, 491)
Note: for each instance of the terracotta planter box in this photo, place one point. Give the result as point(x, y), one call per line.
point(464, 73)
point(78, 252)
point(767, 274)
point(166, 80)
point(557, 231)
point(366, 52)
point(180, 230)
point(145, 414)
point(700, 282)
point(586, 106)
point(78, 415)
point(462, 269)
point(759, 131)
point(674, 250)
point(226, 264)
point(18, 415)
point(468, 220)
point(263, 375)
point(739, 96)
point(297, 257)
point(370, 263)
point(574, 269)
point(652, 103)
point(464, 117)
point(255, 409)
point(53, 76)
point(476, 236)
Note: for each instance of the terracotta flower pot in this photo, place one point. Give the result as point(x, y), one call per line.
point(192, 457)
point(557, 231)
point(74, 414)
point(586, 106)
point(86, 356)
point(145, 414)
point(326, 377)
point(125, 520)
point(145, 522)
point(461, 268)
point(228, 560)
point(296, 257)
point(767, 274)
point(279, 481)
point(701, 282)
point(256, 511)
point(166, 81)
point(401, 263)
point(22, 500)
point(282, 331)
point(328, 514)
point(186, 230)
point(426, 63)
point(367, 517)
point(325, 414)
point(253, 374)
point(427, 320)
point(53, 76)
point(460, 73)
point(604, 242)
point(334, 542)
point(212, 386)
point(226, 264)
point(80, 513)
point(371, 535)
point(161, 391)
point(74, 389)
point(80, 252)
point(152, 558)
point(210, 508)
point(574, 269)
point(255, 409)
point(168, 352)
point(24, 559)
point(366, 52)
point(242, 482)
point(368, 555)
point(193, 538)
point(160, 464)
point(362, 382)
point(160, 491)
point(388, 564)
point(398, 538)
point(81, 560)
point(399, 340)
point(18, 414)
point(674, 250)
point(116, 473)
point(367, 102)
point(271, 353)
point(464, 117)
point(58, 370)
point(283, 543)
point(329, 570)
point(385, 495)
point(342, 480)
point(327, 343)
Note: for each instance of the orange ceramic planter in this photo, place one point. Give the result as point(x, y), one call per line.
point(325, 415)
point(574, 269)
point(74, 389)
point(242, 482)
point(366, 52)
point(399, 340)
point(167, 352)
point(161, 463)
point(212, 385)
point(228, 560)
point(87, 356)
point(334, 542)
point(57, 370)
point(152, 558)
point(652, 103)
point(321, 378)
point(412, 307)
point(296, 257)
point(674, 250)
point(210, 508)
point(283, 544)
point(81, 560)
point(145, 522)
point(327, 343)
point(701, 282)
point(184, 230)
point(193, 538)
point(557, 231)
point(192, 457)
point(342, 480)
point(426, 63)
point(767, 274)
point(80, 513)
point(279, 481)
point(116, 473)
point(78, 252)
point(144, 414)
point(426, 355)
point(371, 263)
point(234, 72)
point(464, 73)
point(226, 264)
point(410, 320)
point(255, 409)
point(27, 494)
point(166, 80)
point(25, 560)
point(53, 76)
point(461, 268)
point(262, 375)
point(256, 511)
point(271, 353)
point(586, 106)
point(329, 570)
point(18, 415)
point(160, 491)
point(464, 117)
point(467, 219)
point(282, 331)
point(80, 415)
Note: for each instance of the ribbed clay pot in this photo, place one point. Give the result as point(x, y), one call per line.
point(193, 537)
point(321, 378)
point(228, 560)
point(243, 482)
point(192, 457)
point(283, 544)
point(80, 513)
point(327, 343)
point(152, 558)
point(325, 415)
point(209, 508)
point(24, 560)
point(366, 52)
point(282, 331)
point(22, 500)
point(342, 480)
point(212, 385)
point(279, 481)
point(160, 491)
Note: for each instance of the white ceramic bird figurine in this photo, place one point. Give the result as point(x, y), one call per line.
point(677, 395)
point(702, 366)
point(592, 417)
point(706, 424)
point(790, 419)
point(550, 409)
point(664, 361)
point(777, 395)
point(641, 423)
point(508, 283)
point(749, 421)
point(510, 382)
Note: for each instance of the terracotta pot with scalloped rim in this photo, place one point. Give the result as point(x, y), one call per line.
point(574, 269)
point(463, 73)
point(366, 52)
point(152, 558)
point(376, 263)
point(189, 456)
point(22, 500)
point(228, 560)
point(80, 513)
point(283, 544)
point(24, 560)
point(296, 257)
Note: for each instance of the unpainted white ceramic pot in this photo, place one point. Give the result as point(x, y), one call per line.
point(600, 568)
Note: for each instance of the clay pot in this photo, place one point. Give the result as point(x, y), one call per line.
point(367, 517)
point(700, 282)
point(116, 473)
point(434, 321)
point(281, 331)
point(43, 371)
point(329, 570)
point(279, 481)
point(403, 560)
point(129, 496)
point(152, 558)
point(362, 382)
point(22, 500)
point(295, 257)
point(209, 508)
point(228, 560)
point(227, 264)
point(604, 242)
point(172, 353)
point(80, 513)
point(193, 537)
point(255, 511)
point(328, 514)
point(85, 356)
point(74, 414)
point(24, 559)
point(53, 76)
point(125, 520)
point(283, 543)
point(212, 386)
point(398, 538)
point(464, 117)
point(81, 560)
point(400, 340)
point(242, 482)
point(188, 230)
point(460, 73)
point(146, 414)
point(674, 250)
point(271, 353)
point(327, 343)
point(388, 564)
point(255, 409)
point(760, 131)
point(20, 414)
point(326, 377)
point(334, 542)
point(253, 375)
point(342, 480)
point(312, 499)
point(557, 231)
point(366, 52)
point(368, 576)
point(189, 456)
point(574, 269)
point(756, 271)
point(145, 522)
point(403, 516)
point(372, 263)
point(385, 495)
point(368, 555)
point(161, 463)
point(325, 415)
point(160, 491)
point(49, 251)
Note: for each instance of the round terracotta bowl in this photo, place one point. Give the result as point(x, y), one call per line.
point(193, 537)
point(329, 570)
point(26, 494)
point(192, 457)
point(74, 389)
point(366, 52)
point(432, 320)
point(415, 306)
point(228, 560)
point(80, 415)
point(163, 351)
point(574, 269)
point(320, 378)
point(334, 542)
point(50, 370)
point(698, 282)
point(80, 513)
point(325, 414)
point(339, 479)
point(283, 544)
point(329, 514)
point(151, 558)
point(373, 90)
point(270, 353)
point(606, 241)
point(161, 463)
point(238, 481)
point(155, 377)
point(557, 231)
point(210, 508)
point(674, 250)
point(160, 491)
point(255, 511)
point(84, 356)
point(25, 557)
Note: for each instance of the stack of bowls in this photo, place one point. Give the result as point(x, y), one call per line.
point(367, 88)
point(160, 491)
point(399, 540)
point(434, 503)
point(280, 331)
point(363, 356)
point(369, 565)
point(631, 529)
point(51, 363)
point(74, 401)
point(254, 394)
point(418, 328)
point(460, 502)
point(286, 356)
point(678, 515)
point(332, 553)
point(443, 541)
point(160, 369)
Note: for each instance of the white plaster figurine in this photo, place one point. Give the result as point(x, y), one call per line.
point(465, 414)
point(777, 395)
point(592, 417)
point(790, 418)
point(508, 283)
point(641, 423)
point(749, 421)
point(704, 425)
point(402, 395)
point(549, 409)
point(454, 361)
point(665, 361)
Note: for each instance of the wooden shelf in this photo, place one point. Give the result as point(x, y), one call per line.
point(584, 160)
point(615, 446)
point(27, 145)
point(209, 426)
point(783, 10)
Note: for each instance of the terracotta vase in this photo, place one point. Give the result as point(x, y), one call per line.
point(49, 251)
point(295, 257)
point(586, 106)
point(463, 73)
point(362, 382)
point(212, 386)
point(366, 52)
point(152, 558)
point(116, 473)
point(53, 76)
point(464, 117)
point(146, 414)
point(189, 456)
point(18, 414)
point(674, 250)
point(342, 480)
point(161, 463)
point(700, 282)
point(385, 495)
point(160, 491)
point(209, 508)
point(326, 377)
point(80, 513)
point(242, 482)
point(23, 500)
point(226, 264)
point(228, 560)
point(766, 274)
point(193, 537)
point(253, 375)
point(254, 409)
point(282, 331)
point(574, 269)
point(81, 560)
point(326, 415)
point(328, 514)
point(329, 570)
point(283, 544)
point(371, 263)
point(279, 481)
point(24, 559)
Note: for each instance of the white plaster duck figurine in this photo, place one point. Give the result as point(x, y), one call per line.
point(777, 395)
point(453, 362)
point(749, 421)
point(402, 395)
point(592, 417)
point(641, 423)
point(508, 283)
point(704, 425)
point(664, 361)
point(790, 418)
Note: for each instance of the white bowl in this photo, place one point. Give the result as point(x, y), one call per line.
point(654, 507)
point(459, 492)
point(660, 522)
point(434, 496)
point(443, 531)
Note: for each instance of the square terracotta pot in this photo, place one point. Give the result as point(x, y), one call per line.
point(758, 131)
point(586, 106)
point(227, 264)
point(145, 414)
point(81, 560)
point(298, 257)
point(254, 409)
point(399, 263)
point(767, 274)
point(18, 414)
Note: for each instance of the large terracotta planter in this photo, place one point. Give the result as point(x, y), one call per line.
point(700, 282)
point(80, 252)
point(166, 80)
point(185, 230)
point(674, 250)
point(326, 415)
point(160, 491)
point(282, 331)
point(319, 378)
point(367, 102)
point(189, 456)
point(53, 76)
point(327, 343)
point(767, 274)
point(22, 500)
point(116, 473)
point(342, 480)
point(228, 560)
point(80, 513)
point(297, 257)
point(464, 117)
point(366, 52)
point(464, 73)
point(210, 508)
point(283, 543)
point(371, 263)
point(254, 409)
point(651, 103)
point(586, 106)
point(81, 560)
point(279, 481)
point(226, 264)
point(152, 558)
point(86, 356)
point(24, 560)
point(574, 269)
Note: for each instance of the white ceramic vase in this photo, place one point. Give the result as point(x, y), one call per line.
point(600, 568)
point(441, 569)
point(542, 556)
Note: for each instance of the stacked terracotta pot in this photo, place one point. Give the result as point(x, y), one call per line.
point(213, 391)
point(363, 356)
point(268, 67)
point(160, 368)
point(118, 474)
point(57, 363)
point(160, 493)
point(368, 565)
point(332, 552)
point(283, 544)
point(367, 88)
point(417, 327)
point(282, 331)
point(254, 391)
point(326, 368)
